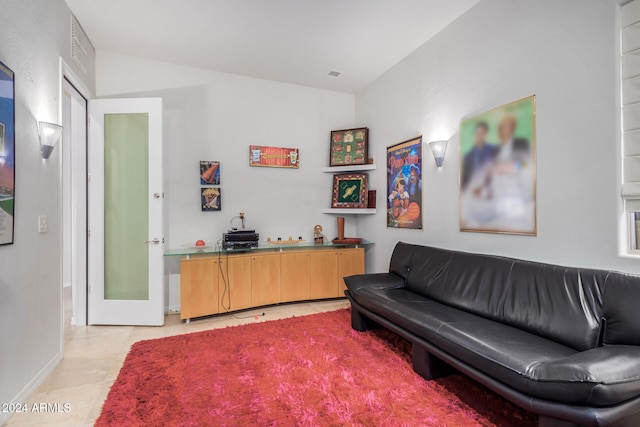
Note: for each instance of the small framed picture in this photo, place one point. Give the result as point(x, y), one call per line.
point(210, 200)
point(349, 147)
point(274, 157)
point(350, 190)
point(209, 173)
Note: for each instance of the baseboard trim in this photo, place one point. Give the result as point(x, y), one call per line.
point(33, 385)
point(172, 310)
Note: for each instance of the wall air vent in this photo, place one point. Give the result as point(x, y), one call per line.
point(79, 45)
point(334, 73)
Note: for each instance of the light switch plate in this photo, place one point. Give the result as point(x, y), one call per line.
point(43, 224)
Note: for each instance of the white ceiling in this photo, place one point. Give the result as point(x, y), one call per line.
point(293, 41)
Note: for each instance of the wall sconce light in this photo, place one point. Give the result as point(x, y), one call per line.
point(438, 148)
point(49, 137)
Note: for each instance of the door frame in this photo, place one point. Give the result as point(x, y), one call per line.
point(80, 303)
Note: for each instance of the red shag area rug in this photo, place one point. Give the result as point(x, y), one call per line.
point(303, 371)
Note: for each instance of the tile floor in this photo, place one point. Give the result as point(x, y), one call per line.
point(93, 356)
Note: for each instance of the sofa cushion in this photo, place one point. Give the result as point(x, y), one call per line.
point(559, 303)
point(622, 310)
point(401, 260)
point(524, 361)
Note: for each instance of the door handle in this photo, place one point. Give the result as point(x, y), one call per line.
point(154, 241)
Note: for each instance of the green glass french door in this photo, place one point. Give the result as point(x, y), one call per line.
point(125, 212)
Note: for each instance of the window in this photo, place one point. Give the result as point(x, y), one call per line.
point(634, 232)
point(630, 91)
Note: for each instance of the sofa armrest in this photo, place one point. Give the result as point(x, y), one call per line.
point(614, 369)
point(374, 281)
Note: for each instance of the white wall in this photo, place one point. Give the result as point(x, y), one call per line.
point(33, 36)
point(215, 116)
point(499, 51)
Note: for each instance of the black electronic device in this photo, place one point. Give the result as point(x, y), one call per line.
point(240, 239)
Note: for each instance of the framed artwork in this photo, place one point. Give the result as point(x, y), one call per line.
point(404, 184)
point(209, 173)
point(274, 157)
point(350, 190)
point(349, 147)
point(498, 170)
point(7, 155)
point(210, 199)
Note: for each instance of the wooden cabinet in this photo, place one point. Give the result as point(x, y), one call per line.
point(323, 266)
point(265, 279)
point(295, 274)
point(236, 279)
point(350, 262)
point(217, 284)
point(198, 288)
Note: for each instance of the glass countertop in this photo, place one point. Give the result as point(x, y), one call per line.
point(263, 247)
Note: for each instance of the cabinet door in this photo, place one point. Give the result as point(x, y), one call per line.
point(295, 276)
point(198, 288)
point(350, 262)
point(235, 282)
point(265, 279)
point(323, 266)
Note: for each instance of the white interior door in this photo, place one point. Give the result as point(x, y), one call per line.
point(125, 212)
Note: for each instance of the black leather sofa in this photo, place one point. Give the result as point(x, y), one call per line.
point(560, 342)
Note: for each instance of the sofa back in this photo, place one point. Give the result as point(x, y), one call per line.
point(559, 303)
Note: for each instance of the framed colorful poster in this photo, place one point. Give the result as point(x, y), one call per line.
point(349, 147)
point(210, 199)
point(404, 184)
point(209, 173)
point(7, 155)
point(498, 170)
point(350, 190)
point(274, 157)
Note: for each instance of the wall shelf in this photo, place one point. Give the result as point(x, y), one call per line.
point(351, 168)
point(343, 211)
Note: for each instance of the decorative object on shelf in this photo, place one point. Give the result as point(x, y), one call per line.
point(371, 202)
point(243, 221)
point(349, 147)
point(438, 148)
point(274, 157)
point(404, 184)
point(350, 190)
point(200, 246)
point(7, 154)
point(209, 173)
point(289, 241)
point(318, 237)
point(49, 134)
point(345, 240)
point(498, 170)
point(210, 199)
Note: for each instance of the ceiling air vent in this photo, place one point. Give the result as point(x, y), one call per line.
point(79, 45)
point(334, 73)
